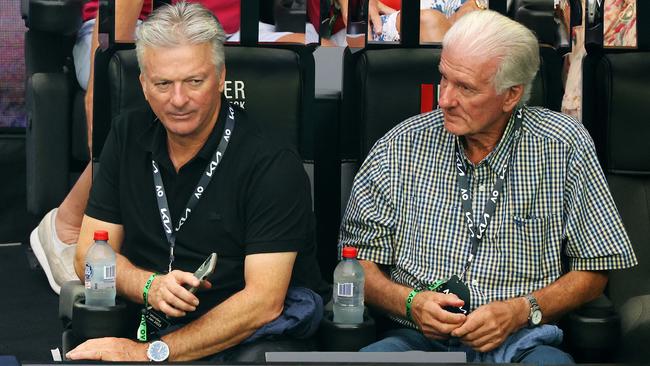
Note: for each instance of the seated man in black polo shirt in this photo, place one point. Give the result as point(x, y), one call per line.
point(193, 174)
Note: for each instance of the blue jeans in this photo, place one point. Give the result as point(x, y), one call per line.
point(405, 339)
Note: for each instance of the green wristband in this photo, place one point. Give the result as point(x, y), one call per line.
point(142, 329)
point(409, 301)
point(434, 286)
point(145, 290)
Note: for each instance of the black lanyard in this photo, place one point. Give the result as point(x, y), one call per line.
point(206, 178)
point(476, 231)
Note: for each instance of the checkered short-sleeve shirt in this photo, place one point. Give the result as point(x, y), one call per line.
point(405, 209)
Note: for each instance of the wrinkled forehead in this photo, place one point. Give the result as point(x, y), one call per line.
point(463, 59)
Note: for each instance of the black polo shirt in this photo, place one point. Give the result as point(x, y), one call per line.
point(258, 201)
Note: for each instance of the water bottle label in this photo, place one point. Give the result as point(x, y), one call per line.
point(109, 273)
point(88, 274)
point(345, 289)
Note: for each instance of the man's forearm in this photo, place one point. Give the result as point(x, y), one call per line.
point(383, 293)
point(560, 297)
point(569, 292)
point(489, 325)
point(130, 279)
point(126, 17)
point(227, 325)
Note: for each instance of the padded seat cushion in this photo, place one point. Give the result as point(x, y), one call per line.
point(622, 93)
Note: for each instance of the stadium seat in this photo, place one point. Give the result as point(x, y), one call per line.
point(618, 99)
point(253, 74)
point(384, 85)
point(615, 101)
point(54, 102)
point(540, 16)
point(273, 84)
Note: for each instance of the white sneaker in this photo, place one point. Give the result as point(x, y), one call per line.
point(57, 263)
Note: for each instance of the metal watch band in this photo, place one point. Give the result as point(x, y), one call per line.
point(533, 318)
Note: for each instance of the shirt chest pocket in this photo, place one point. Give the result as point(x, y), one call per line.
point(527, 247)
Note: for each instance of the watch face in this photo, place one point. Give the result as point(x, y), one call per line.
point(158, 351)
point(536, 317)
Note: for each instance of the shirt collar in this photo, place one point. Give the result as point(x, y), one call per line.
point(498, 157)
point(154, 138)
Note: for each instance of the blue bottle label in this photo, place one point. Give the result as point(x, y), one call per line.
point(88, 274)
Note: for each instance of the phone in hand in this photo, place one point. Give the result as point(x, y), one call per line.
point(456, 286)
point(204, 271)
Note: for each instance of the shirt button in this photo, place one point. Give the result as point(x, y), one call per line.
point(481, 188)
point(474, 282)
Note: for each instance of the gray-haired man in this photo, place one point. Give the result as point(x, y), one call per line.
point(187, 176)
point(485, 195)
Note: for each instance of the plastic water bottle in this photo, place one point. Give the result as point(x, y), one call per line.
point(348, 289)
point(100, 272)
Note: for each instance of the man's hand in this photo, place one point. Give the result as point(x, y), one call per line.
point(375, 8)
point(430, 317)
point(490, 324)
point(168, 295)
point(110, 349)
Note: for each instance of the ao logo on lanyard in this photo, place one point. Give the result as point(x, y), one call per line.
point(206, 178)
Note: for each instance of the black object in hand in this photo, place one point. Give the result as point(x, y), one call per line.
point(457, 287)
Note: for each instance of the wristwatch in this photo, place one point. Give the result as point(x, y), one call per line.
point(158, 351)
point(481, 4)
point(535, 316)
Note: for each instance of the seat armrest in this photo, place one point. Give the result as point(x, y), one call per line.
point(635, 327)
point(87, 322)
point(71, 291)
point(592, 332)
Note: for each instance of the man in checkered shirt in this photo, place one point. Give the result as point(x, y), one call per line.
point(521, 185)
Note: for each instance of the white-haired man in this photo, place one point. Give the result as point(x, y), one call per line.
point(189, 176)
point(484, 197)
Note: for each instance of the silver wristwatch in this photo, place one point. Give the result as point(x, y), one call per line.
point(535, 316)
point(158, 351)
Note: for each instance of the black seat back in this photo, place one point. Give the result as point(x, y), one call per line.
point(615, 106)
point(273, 85)
point(619, 104)
point(54, 102)
point(383, 87)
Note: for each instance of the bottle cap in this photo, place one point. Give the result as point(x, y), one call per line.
point(349, 252)
point(100, 235)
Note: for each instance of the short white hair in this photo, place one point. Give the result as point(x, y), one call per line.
point(488, 34)
point(181, 24)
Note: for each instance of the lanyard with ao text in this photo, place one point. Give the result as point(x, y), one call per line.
point(476, 232)
point(206, 177)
